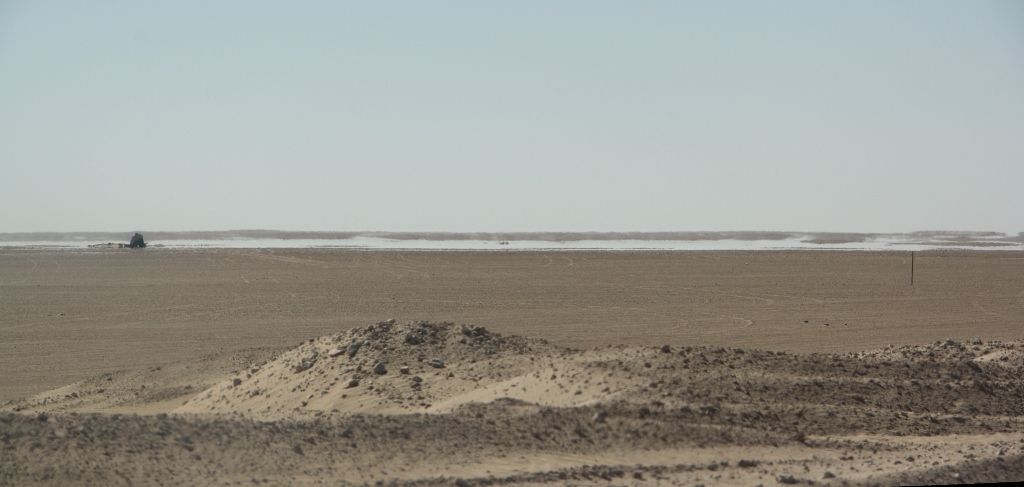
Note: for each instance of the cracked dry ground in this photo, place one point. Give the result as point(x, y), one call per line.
point(457, 405)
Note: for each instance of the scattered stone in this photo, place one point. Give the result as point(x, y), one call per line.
point(417, 379)
point(254, 369)
point(404, 369)
point(787, 479)
point(389, 321)
point(413, 339)
point(638, 475)
point(335, 352)
point(748, 463)
point(436, 363)
point(379, 369)
point(236, 382)
point(666, 349)
point(599, 417)
point(304, 365)
point(42, 416)
point(473, 331)
point(353, 383)
point(828, 475)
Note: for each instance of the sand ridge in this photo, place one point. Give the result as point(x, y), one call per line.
point(496, 409)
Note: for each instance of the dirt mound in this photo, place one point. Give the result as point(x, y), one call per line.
point(440, 404)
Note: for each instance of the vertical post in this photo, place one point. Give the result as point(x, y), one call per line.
point(911, 267)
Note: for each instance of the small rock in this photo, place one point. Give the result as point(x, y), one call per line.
point(787, 479)
point(451, 375)
point(254, 369)
point(638, 475)
point(748, 463)
point(335, 352)
point(417, 378)
point(436, 363)
point(353, 349)
point(828, 475)
point(412, 339)
point(599, 417)
point(42, 416)
point(389, 321)
point(666, 349)
point(236, 382)
point(404, 369)
point(379, 369)
point(353, 383)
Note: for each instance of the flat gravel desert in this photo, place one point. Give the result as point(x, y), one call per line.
point(215, 366)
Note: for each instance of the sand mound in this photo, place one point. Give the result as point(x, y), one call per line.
point(383, 369)
point(427, 403)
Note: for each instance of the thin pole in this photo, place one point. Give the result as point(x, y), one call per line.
point(911, 267)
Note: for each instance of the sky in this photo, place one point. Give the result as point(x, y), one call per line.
point(858, 116)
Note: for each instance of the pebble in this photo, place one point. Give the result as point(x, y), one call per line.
point(436, 363)
point(335, 352)
point(236, 382)
point(417, 378)
point(404, 369)
point(666, 349)
point(353, 383)
point(379, 368)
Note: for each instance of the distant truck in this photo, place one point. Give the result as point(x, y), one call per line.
point(137, 242)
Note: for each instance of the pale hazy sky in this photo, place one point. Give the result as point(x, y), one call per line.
point(512, 116)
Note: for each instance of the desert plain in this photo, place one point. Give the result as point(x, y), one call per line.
point(167, 366)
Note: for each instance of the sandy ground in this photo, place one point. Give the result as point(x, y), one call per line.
point(217, 367)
